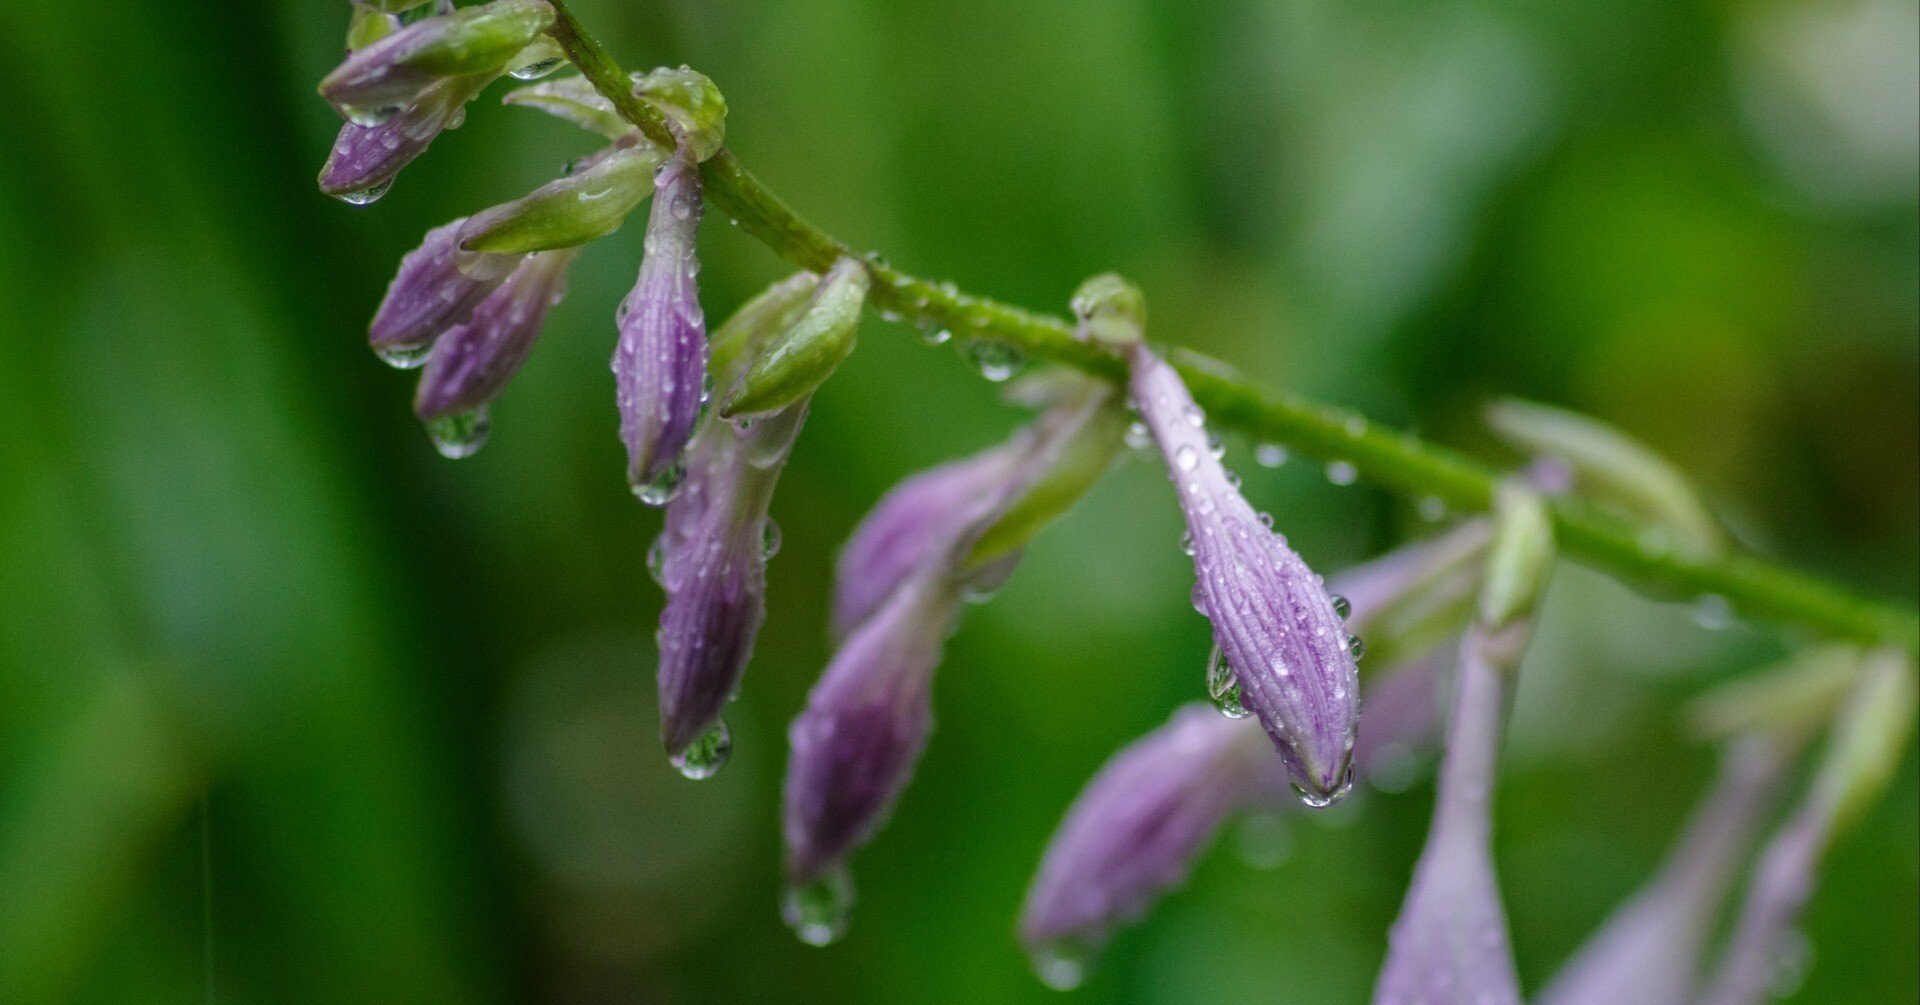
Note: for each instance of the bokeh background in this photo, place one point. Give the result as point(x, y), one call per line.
point(291, 709)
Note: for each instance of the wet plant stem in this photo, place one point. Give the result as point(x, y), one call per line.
point(1399, 462)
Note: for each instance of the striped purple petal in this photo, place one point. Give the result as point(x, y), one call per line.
point(660, 361)
point(429, 295)
point(365, 159)
point(471, 363)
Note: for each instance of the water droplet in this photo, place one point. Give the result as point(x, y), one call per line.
point(365, 196)
point(1186, 542)
point(817, 911)
point(1138, 437)
point(534, 71)
point(996, 361)
point(459, 434)
point(1216, 446)
point(707, 754)
point(935, 336)
point(1062, 966)
point(1186, 458)
point(404, 357)
point(1342, 607)
point(1195, 417)
point(1713, 612)
point(367, 118)
point(1270, 455)
point(1433, 509)
point(1222, 686)
point(661, 490)
point(657, 559)
point(1312, 798)
point(1342, 473)
point(1356, 648)
point(769, 538)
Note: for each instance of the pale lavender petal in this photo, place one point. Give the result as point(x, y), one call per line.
point(1449, 945)
point(916, 520)
point(429, 294)
point(1402, 719)
point(660, 362)
point(1135, 830)
point(1648, 952)
point(365, 159)
point(864, 727)
point(1273, 618)
point(472, 362)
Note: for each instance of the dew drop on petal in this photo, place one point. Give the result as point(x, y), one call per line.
point(707, 754)
point(661, 490)
point(365, 196)
point(1223, 688)
point(1186, 458)
point(404, 357)
point(817, 910)
point(769, 538)
point(1342, 606)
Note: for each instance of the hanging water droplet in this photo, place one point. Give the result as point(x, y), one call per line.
point(1270, 455)
point(534, 71)
point(1062, 965)
point(459, 434)
point(1216, 446)
point(1356, 648)
point(661, 491)
point(817, 910)
point(657, 559)
point(1713, 612)
point(769, 538)
point(1342, 607)
point(996, 361)
point(1342, 473)
point(935, 336)
point(1186, 458)
point(707, 754)
point(1223, 687)
point(366, 117)
point(404, 357)
point(1312, 798)
point(1138, 436)
point(365, 196)
point(1186, 542)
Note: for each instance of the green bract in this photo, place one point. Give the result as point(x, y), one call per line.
point(575, 100)
point(369, 25)
point(1110, 310)
point(584, 206)
point(808, 353)
point(1519, 558)
point(1082, 460)
point(692, 104)
point(481, 39)
point(757, 322)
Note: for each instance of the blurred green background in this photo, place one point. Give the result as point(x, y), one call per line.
point(291, 709)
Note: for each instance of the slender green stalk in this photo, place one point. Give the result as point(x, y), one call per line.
point(1397, 461)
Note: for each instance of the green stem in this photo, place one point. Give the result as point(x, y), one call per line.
point(1397, 461)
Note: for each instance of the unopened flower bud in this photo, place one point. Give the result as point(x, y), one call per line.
point(365, 159)
point(397, 69)
point(694, 107)
point(473, 361)
point(660, 361)
point(802, 359)
point(574, 100)
point(570, 211)
point(429, 295)
point(1110, 310)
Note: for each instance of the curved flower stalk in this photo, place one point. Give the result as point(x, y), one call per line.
point(867, 720)
point(712, 552)
point(1648, 952)
point(1134, 832)
point(471, 363)
point(1273, 620)
point(1449, 944)
point(1862, 752)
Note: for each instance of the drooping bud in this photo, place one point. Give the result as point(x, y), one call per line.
point(802, 359)
point(660, 361)
point(1273, 619)
point(574, 100)
point(398, 69)
point(1449, 945)
point(711, 555)
point(866, 721)
point(581, 207)
point(471, 363)
point(1867, 740)
point(1648, 952)
point(1133, 833)
point(365, 159)
point(429, 295)
point(694, 107)
point(1614, 468)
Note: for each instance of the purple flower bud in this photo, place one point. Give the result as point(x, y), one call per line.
point(1648, 952)
point(429, 295)
point(1449, 944)
point(396, 70)
point(916, 520)
point(660, 362)
point(1134, 832)
point(471, 363)
point(1273, 619)
point(865, 725)
point(365, 159)
point(711, 558)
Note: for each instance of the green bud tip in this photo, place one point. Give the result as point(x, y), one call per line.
point(1110, 310)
